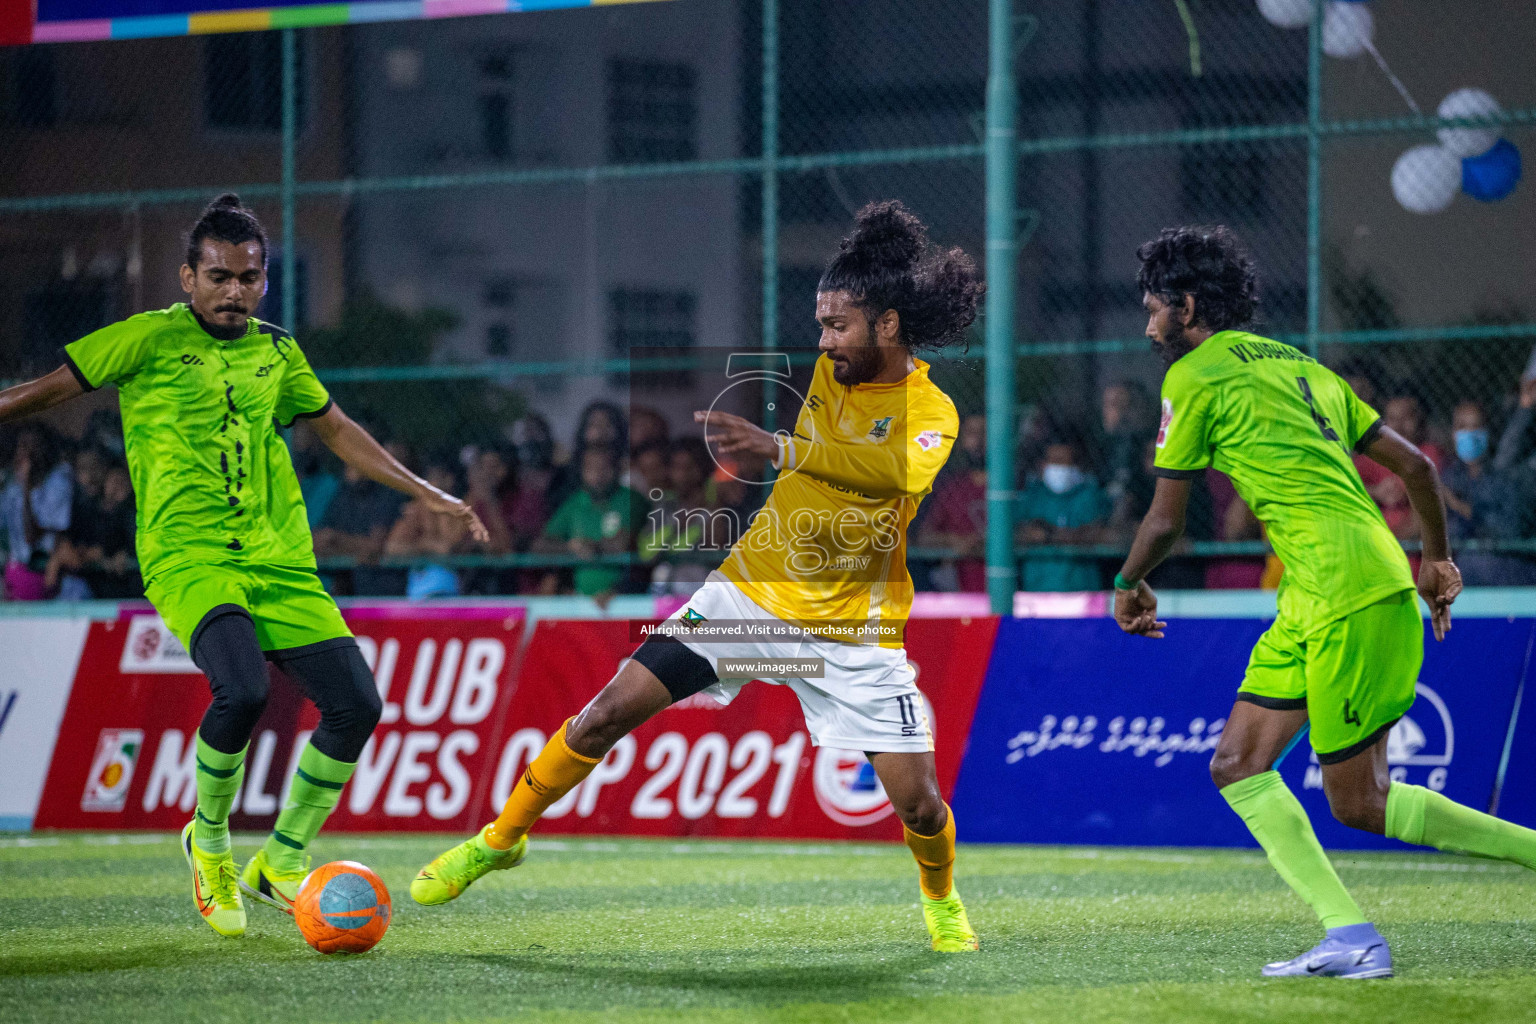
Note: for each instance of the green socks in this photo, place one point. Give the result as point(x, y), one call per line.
point(1426, 818)
point(1276, 819)
point(313, 794)
point(219, 776)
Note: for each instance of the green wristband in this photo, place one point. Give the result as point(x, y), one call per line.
point(1121, 583)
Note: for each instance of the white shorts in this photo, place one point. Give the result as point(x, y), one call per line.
point(868, 699)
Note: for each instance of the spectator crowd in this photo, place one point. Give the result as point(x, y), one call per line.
point(628, 506)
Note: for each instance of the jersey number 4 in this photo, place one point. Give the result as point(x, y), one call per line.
point(1317, 417)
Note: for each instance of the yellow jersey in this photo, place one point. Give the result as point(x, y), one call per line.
point(828, 551)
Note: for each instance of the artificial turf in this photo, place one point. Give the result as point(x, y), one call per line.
point(103, 928)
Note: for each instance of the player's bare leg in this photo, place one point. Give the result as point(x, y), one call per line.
point(1362, 795)
point(912, 784)
point(1243, 769)
point(628, 701)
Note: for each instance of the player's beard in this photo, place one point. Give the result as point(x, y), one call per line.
point(862, 365)
point(1174, 346)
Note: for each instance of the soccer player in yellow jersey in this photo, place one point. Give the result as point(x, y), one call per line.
point(822, 567)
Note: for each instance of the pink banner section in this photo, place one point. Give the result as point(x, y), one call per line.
point(462, 8)
point(72, 31)
point(1080, 605)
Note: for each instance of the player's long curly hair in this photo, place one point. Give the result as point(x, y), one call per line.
point(888, 263)
point(225, 220)
point(1208, 263)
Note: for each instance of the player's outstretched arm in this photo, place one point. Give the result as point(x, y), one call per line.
point(357, 448)
point(1439, 579)
point(1161, 528)
point(38, 395)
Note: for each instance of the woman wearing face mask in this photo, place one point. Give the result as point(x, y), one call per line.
point(1065, 505)
point(1485, 503)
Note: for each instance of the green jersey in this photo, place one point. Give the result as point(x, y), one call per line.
point(213, 478)
point(1283, 427)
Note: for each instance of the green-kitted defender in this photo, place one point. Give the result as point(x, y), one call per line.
point(1344, 653)
point(223, 540)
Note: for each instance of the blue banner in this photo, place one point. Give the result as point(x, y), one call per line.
point(1086, 735)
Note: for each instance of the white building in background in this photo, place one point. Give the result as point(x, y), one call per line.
point(576, 270)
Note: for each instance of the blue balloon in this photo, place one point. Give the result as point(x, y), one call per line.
point(1492, 176)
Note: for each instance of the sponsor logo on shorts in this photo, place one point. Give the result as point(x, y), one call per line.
point(106, 787)
point(151, 648)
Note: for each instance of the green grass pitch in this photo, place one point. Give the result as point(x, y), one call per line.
point(102, 929)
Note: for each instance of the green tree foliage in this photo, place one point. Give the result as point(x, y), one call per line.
point(427, 414)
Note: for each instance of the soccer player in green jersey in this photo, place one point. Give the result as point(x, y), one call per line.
point(1343, 655)
point(223, 542)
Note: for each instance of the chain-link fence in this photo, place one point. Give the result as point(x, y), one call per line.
point(478, 222)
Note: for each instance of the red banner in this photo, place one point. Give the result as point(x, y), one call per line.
point(456, 734)
point(747, 769)
point(125, 758)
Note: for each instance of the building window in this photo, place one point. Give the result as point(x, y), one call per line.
point(652, 112)
point(272, 306)
point(34, 87)
point(495, 106)
point(243, 78)
point(651, 324)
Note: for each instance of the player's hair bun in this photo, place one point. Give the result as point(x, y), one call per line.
point(226, 220)
point(888, 263)
point(887, 234)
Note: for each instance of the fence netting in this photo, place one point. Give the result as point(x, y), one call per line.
point(522, 239)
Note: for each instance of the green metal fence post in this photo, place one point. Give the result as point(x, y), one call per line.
point(770, 198)
point(1314, 176)
point(290, 140)
point(1002, 263)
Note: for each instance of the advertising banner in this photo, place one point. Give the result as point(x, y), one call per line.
point(746, 769)
point(126, 754)
point(40, 656)
point(457, 731)
point(1086, 735)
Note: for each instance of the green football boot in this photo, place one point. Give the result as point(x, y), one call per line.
point(948, 925)
point(215, 887)
point(261, 881)
point(454, 871)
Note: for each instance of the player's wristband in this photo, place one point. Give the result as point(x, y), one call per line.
point(1121, 583)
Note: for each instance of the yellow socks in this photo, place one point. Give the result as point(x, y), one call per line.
point(555, 772)
point(935, 858)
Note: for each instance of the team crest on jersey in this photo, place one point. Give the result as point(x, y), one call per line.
point(692, 618)
point(1165, 423)
point(929, 440)
point(881, 429)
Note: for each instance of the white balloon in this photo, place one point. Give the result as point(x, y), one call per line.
point(1426, 178)
point(1466, 142)
point(1347, 29)
point(1287, 13)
